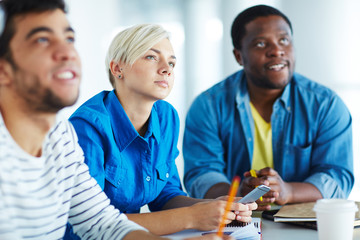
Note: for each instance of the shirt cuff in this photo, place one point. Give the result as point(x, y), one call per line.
point(327, 186)
point(203, 183)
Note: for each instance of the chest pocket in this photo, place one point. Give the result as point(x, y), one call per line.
point(297, 162)
point(163, 175)
point(118, 187)
point(114, 174)
point(162, 172)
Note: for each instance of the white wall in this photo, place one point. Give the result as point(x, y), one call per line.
point(326, 34)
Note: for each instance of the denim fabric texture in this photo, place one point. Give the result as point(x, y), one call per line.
point(311, 137)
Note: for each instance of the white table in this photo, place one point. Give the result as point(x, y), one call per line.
point(283, 231)
point(273, 231)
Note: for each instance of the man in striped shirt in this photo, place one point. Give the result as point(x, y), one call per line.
point(43, 179)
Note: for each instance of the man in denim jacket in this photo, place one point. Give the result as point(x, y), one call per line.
point(294, 132)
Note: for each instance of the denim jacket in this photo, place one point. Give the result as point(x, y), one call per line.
point(311, 137)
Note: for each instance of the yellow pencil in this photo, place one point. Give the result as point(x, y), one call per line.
point(232, 193)
point(253, 174)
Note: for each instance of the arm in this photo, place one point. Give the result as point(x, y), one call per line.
point(134, 235)
point(203, 150)
point(144, 235)
point(91, 143)
point(190, 213)
point(7, 227)
point(217, 190)
point(332, 154)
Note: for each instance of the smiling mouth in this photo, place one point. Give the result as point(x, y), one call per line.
point(65, 75)
point(277, 67)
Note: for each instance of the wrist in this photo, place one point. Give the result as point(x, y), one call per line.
point(291, 190)
point(189, 219)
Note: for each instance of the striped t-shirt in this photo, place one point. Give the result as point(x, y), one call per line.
point(38, 195)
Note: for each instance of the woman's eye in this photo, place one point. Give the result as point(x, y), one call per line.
point(171, 64)
point(150, 57)
point(71, 39)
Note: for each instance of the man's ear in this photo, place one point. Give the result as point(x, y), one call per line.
point(6, 72)
point(238, 57)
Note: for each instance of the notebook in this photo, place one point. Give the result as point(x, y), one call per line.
point(243, 231)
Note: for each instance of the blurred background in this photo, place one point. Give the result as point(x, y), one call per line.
point(326, 39)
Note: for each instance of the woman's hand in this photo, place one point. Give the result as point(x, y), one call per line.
point(207, 216)
point(239, 209)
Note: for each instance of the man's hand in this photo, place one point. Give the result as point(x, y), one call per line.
point(281, 190)
point(268, 177)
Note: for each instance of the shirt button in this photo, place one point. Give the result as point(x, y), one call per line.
point(148, 178)
point(167, 175)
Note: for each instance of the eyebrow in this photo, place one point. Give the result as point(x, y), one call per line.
point(45, 29)
point(157, 51)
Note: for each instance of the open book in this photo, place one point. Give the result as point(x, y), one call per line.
point(301, 214)
point(243, 231)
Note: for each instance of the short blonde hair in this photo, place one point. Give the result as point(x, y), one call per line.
point(132, 43)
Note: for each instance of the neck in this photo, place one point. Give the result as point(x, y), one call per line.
point(27, 129)
point(137, 110)
point(263, 99)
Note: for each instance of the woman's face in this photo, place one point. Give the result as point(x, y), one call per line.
point(151, 77)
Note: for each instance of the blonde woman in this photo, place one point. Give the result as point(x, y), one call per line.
point(129, 137)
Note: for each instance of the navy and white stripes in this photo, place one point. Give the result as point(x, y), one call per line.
point(39, 195)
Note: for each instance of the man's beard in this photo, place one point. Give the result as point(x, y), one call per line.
point(37, 97)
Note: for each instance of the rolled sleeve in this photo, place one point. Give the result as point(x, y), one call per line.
point(203, 183)
point(328, 187)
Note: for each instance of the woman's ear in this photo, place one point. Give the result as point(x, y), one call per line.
point(116, 69)
point(238, 57)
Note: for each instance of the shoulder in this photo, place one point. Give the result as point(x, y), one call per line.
point(92, 107)
point(62, 130)
point(221, 94)
point(62, 139)
point(92, 112)
point(313, 95)
point(310, 87)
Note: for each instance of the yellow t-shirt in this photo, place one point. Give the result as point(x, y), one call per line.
point(262, 155)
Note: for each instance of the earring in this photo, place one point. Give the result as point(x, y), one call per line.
point(120, 74)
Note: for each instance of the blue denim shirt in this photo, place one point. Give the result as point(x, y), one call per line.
point(311, 137)
point(131, 169)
